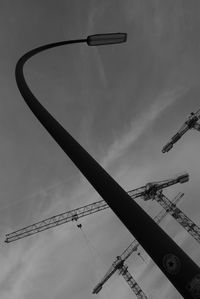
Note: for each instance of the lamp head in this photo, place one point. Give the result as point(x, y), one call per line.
point(106, 39)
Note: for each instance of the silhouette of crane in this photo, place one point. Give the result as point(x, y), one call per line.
point(180, 217)
point(149, 191)
point(119, 265)
point(190, 123)
point(169, 207)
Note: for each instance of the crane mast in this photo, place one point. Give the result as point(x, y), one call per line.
point(180, 217)
point(146, 192)
point(169, 207)
point(119, 261)
point(131, 282)
point(154, 193)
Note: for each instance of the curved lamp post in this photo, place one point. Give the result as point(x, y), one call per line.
point(171, 259)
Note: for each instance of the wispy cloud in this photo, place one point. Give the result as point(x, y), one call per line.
point(24, 262)
point(21, 264)
point(57, 263)
point(95, 12)
point(138, 126)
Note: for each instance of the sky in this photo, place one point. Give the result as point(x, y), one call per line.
point(122, 103)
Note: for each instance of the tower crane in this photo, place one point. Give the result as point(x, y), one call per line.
point(190, 123)
point(149, 191)
point(154, 193)
point(169, 207)
point(146, 192)
point(119, 265)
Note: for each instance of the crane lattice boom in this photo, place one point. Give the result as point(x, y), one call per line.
point(180, 217)
point(56, 220)
point(190, 123)
point(132, 283)
point(150, 190)
point(147, 191)
point(118, 262)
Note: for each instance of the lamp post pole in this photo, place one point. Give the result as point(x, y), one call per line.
point(179, 268)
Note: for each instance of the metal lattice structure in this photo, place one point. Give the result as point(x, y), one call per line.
point(132, 283)
point(119, 261)
point(56, 220)
point(146, 192)
point(190, 123)
point(180, 217)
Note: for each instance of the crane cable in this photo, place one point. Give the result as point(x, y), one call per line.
point(93, 251)
point(142, 258)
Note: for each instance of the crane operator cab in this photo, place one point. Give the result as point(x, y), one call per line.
point(192, 119)
point(119, 262)
point(150, 191)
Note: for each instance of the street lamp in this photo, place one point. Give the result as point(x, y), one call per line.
point(183, 273)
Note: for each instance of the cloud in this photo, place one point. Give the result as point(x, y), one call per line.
point(21, 263)
point(138, 126)
point(96, 12)
point(27, 261)
point(56, 263)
